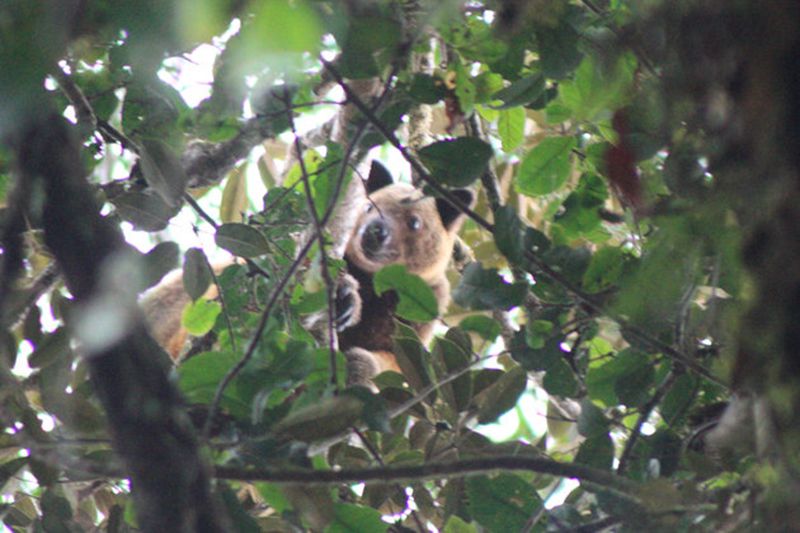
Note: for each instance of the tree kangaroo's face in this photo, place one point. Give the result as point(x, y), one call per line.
point(401, 226)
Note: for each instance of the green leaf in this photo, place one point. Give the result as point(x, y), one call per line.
point(279, 33)
point(196, 273)
point(391, 117)
point(10, 468)
point(536, 359)
point(241, 240)
point(560, 380)
point(412, 358)
point(199, 376)
point(427, 89)
point(54, 346)
point(598, 87)
point(632, 387)
point(234, 196)
point(417, 301)
point(304, 303)
point(199, 316)
point(604, 269)
point(457, 162)
point(160, 260)
point(502, 503)
point(324, 181)
point(326, 418)
point(163, 170)
point(454, 357)
point(591, 422)
point(511, 128)
point(537, 332)
point(581, 209)
point(349, 517)
point(508, 231)
point(365, 39)
point(545, 168)
point(486, 84)
point(486, 327)
point(597, 451)
point(465, 89)
point(502, 395)
point(457, 525)
point(570, 262)
point(480, 288)
point(147, 210)
point(521, 92)
point(558, 49)
point(679, 398)
point(374, 412)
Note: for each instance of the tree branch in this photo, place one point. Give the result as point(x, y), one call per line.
point(319, 234)
point(542, 267)
point(644, 414)
point(437, 470)
point(153, 436)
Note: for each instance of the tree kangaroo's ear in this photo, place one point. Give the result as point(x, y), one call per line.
point(379, 177)
point(449, 213)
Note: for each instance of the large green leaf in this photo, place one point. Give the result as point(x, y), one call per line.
point(502, 503)
point(521, 92)
point(349, 518)
point(196, 273)
point(457, 162)
point(598, 87)
point(417, 301)
point(363, 42)
point(324, 419)
point(200, 375)
point(502, 395)
point(241, 240)
point(511, 127)
point(147, 210)
point(486, 289)
point(560, 380)
point(199, 316)
point(545, 168)
point(163, 170)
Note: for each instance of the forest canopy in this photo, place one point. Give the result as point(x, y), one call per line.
point(620, 352)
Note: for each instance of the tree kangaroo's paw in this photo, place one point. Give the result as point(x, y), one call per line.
point(348, 303)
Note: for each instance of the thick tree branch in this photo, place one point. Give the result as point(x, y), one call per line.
point(154, 438)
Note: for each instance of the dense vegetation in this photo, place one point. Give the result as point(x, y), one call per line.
point(630, 260)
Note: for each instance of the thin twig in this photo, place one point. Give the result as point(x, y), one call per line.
point(320, 237)
point(542, 267)
point(200, 211)
point(251, 349)
point(405, 406)
point(393, 140)
point(377, 456)
point(644, 414)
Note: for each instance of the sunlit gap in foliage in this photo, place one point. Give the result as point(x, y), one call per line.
point(192, 74)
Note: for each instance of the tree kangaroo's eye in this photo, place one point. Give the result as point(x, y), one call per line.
point(414, 223)
point(369, 207)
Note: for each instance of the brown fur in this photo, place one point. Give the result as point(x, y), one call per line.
point(163, 307)
point(419, 233)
